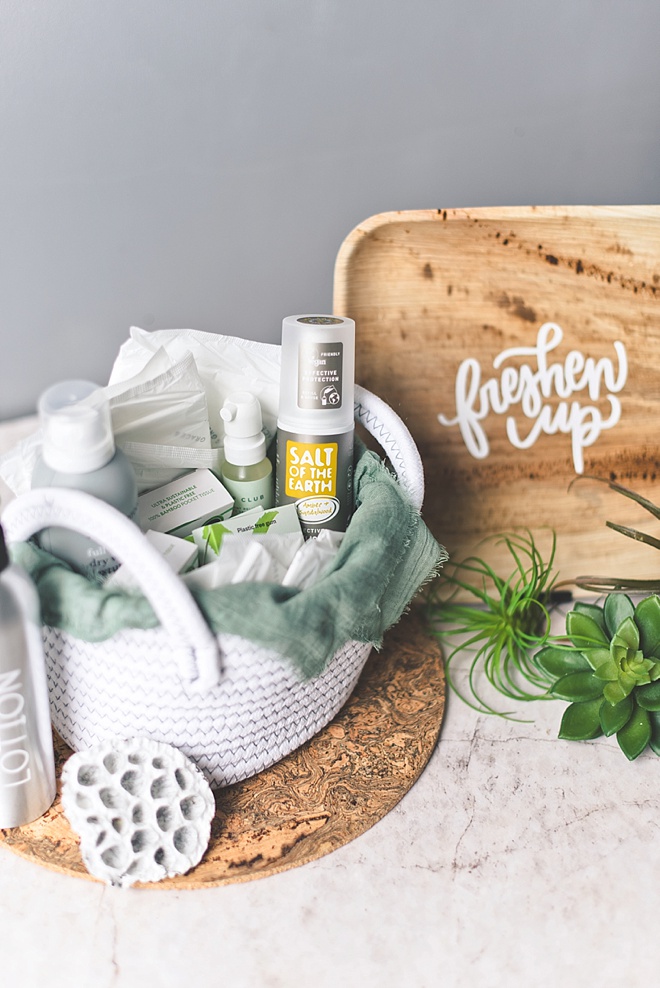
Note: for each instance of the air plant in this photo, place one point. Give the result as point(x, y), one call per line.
point(608, 665)
point(602, 584)
point(505, 621)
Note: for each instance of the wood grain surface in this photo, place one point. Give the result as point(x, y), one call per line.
point(320, 797)
point(430, 288)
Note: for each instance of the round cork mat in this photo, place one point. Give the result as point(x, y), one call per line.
point(320, 797)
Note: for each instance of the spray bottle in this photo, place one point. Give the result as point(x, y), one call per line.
point(247, 473)
point(315, 423)
point(79, 451)
point(27, 765)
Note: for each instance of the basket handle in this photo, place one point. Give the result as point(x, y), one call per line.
point(170, 598)
point(393, 435)
point(168, 595)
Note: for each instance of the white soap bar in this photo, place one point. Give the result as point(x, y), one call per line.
point(185, 504)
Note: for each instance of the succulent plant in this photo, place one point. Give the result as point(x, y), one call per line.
point(610, 672)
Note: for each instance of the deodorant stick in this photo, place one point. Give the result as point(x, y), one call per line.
point(316, 421)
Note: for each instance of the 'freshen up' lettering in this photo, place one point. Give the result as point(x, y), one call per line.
point(529, 386)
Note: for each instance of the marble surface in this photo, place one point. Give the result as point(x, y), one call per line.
point(516, 859)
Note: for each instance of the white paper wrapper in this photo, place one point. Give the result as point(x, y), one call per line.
point(313, 559)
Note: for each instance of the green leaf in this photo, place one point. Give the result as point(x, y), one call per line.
point(613, 716)
point(265, 521)
point(636, 734)
point(583, 631)
point(627, 683)
point(610, 584)
point(627, 634)
point(557, 662)
point(592, 611)
point(634, 533)
point(654, 720)
point(609, 671)
point(577, 687)
point(648, 697)
point(633, 495)
point(597, 657)
point(581, 721)
point(614, 692)
point(647, 619)
point(214, 534)
point(616, 609)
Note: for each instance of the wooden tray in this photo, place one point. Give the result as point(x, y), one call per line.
point(430, 289)
point(320, 797)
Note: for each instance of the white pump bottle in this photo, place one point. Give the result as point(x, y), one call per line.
point(79, 452)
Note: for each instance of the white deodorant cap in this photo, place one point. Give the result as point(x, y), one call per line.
point(318, 374)
point(77, 428)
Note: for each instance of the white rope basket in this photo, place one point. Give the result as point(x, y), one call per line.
point(232, 706)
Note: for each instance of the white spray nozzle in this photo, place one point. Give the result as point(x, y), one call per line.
point(241, 414)
point(245, 442)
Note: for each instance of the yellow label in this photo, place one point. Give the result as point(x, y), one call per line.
point(311, 468)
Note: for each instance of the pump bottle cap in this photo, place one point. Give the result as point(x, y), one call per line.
point(245, 443)
point(77, 429)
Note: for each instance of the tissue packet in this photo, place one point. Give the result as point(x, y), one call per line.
point(180, 507)
point(258, 521)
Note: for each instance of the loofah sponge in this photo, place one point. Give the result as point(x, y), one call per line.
point(142, 810)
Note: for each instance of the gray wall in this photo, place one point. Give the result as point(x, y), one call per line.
point(199, 162)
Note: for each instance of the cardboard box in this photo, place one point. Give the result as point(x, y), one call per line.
point(178, 508)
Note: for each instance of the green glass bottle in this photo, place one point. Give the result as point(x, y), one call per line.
point(247, 473)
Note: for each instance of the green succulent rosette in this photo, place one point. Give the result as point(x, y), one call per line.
point(610, 673)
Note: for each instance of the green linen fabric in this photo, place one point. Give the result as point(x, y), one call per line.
point(386, 555)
